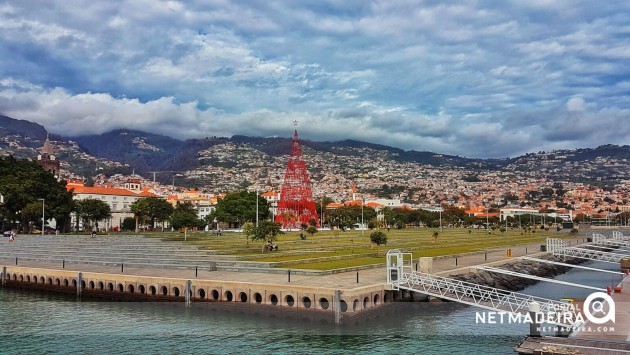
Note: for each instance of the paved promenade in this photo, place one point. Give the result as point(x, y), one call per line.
point(178, 260)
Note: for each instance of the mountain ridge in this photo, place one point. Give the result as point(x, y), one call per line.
point(148, 152)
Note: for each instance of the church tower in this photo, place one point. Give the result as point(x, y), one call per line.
point(47, 160)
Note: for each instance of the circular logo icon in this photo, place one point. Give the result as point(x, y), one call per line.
point(595, 310)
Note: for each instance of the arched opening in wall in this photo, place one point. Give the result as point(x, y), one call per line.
point(306, 302)
point(289, 300)
point(34, 279)
point(130, 288)
point(343, 306)
point(28, 278)
point(228, 296)
point(152, 290)
point(82, 285)
point(176, 291)
point(243, 297)
point(74, 283)
point(377, 300)
point(14, 277)
point(366, 302)
point(121, 288)
point(201, 293)
point(323, 303)
point(50, 280)
point(101, 285)
point(355, 305)
point(215, 295)
point(164, 291)
point(42, 280)
point(258, 298)
point(274, 299)
point(21, 278)
point(110, 287)
point(91, 285)
point(387, 297)
point(57, 282)
point(65, 282)
point(142, 289)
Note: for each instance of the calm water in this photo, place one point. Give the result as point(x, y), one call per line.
point(41, 323)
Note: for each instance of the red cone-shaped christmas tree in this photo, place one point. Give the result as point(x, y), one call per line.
point(296, 205)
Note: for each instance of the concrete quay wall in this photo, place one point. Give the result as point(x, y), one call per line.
point(347, 303)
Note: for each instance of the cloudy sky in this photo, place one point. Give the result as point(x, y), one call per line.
point(473, 78)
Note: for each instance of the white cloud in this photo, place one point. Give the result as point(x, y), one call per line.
point(415, 74)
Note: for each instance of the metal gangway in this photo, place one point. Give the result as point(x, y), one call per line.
point(601, 240)
point(617, 235)
point(559, 248)
point(401, 277)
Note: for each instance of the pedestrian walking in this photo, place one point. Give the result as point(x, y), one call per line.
point(93, 232)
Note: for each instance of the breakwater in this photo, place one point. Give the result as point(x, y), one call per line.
point(516, 283)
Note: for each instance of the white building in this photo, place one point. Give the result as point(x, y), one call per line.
point(118, 200)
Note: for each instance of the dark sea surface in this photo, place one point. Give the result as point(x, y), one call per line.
point(36, 323)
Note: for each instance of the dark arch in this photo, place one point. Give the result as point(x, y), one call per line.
point(201, 293)
point(215, 295)
point(152, 290)
point(65, 282)
point(377, 299)
point(82, 284)
point(306, 302)
point(274, 299)
point(366, 302)
point(228, 296)
point(176, 291)
point(58, 282)
point(28, 278)
point(21, 278)
point(110, 287)
point(50, 280)
point(243, 297)
point(92, 285)
point(42, 280)
point(142, 289)
point(34, 279)
point(101, 285)
point(289, 300)
point(355, 305)
point(344, 306)
point(164, 290)
point(121, 288)
point(258, 298)
point(323, 303)
point(130, 288)
point(74, 283)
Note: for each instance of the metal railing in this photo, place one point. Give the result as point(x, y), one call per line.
point(401, 277)
point(559, 248)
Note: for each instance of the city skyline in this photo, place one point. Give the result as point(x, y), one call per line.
point(471, 78)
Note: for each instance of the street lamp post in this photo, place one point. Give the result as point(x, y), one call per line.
point(362, 224)
point(257, 207)
point(43, 214)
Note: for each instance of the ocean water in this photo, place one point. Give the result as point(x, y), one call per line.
point(35, 323)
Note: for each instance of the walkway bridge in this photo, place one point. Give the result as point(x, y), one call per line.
point(401, 277)
point(601, 240)
point(617, 235)
point(559, 248)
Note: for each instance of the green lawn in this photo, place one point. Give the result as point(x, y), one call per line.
point(335, 249)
